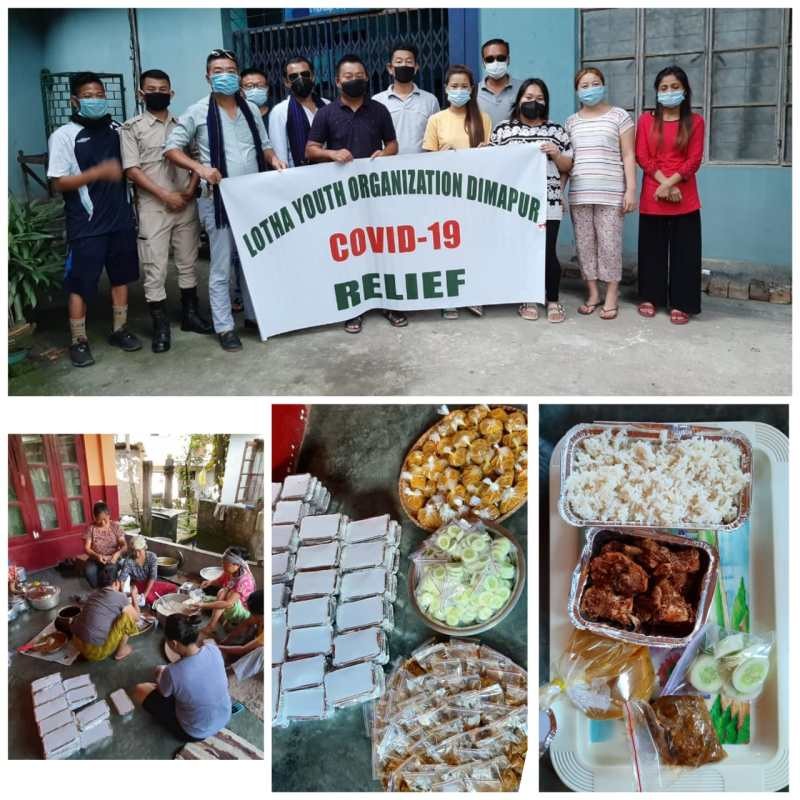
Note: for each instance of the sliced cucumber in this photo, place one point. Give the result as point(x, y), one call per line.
point(750, 675)
point(731, 692)
point(704, 674)
point(729, 645)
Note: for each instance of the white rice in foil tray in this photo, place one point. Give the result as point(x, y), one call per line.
point(661, 483)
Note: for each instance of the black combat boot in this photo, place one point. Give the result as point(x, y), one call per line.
point(161, 333)
point(191, 320)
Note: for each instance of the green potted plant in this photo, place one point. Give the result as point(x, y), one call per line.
point(36, 252)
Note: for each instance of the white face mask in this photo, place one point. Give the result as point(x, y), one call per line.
point(497, 69)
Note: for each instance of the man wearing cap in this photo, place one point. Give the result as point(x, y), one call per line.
point(142, 568)
point(229, 133)
point(166, 209)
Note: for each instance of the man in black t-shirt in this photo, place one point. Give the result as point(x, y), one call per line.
point(84, 165)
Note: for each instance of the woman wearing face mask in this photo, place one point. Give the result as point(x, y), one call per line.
point(460, 126)
point(530, 124)
point(669, 149)
point(602, 188)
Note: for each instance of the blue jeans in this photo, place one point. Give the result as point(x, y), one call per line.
point(95, 568)
point(223, 254)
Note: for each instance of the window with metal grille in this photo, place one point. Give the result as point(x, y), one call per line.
point(325, 40)
point(250, 489)
point(56, 92)
point(738, 62)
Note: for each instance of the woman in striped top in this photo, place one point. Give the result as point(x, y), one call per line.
point(602, 188)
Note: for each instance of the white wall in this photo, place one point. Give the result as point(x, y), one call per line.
point(233, 466)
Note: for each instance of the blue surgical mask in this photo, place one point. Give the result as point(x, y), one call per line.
point(458, 97)
point(225, 83)
point(257, 96)
point(93, 107)
point(671, 99)
point(591, 96)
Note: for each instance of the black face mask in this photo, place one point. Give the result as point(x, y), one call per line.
point(404, 74)
point(156, 101)
point(534, 110)
point(355, 88)
point(301, 86)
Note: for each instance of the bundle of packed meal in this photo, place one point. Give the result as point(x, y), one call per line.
point(475, 460)
point(642, 649)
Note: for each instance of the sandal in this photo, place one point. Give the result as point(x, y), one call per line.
point(528, 311)
point(354, 325)
point(677, 317)
point(587, 309)
point(476, 310)
point(608, 313)
point(449, 313)
point(647, 310)
point(397, 319)
point(555, 313)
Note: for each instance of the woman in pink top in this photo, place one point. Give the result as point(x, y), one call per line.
point(602, 188)
point(235, 584)
point(104, 543)
point(669, 149)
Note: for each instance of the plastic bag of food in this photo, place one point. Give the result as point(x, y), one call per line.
point(733, 664)
point(598, 675)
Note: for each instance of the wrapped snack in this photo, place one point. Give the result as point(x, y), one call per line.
point(598, 675)
point(684, 732)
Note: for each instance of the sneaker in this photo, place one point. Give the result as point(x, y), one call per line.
point(125, 340)
point(229, 341)
point(80, 354)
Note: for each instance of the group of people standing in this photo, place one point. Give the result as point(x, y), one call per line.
point(176, 164)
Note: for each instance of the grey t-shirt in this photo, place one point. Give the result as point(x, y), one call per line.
point(95, 621)
point(200, 687)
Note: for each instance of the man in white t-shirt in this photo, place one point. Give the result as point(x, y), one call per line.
point(290, 120)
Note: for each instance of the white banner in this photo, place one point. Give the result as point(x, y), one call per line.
point(326, 242)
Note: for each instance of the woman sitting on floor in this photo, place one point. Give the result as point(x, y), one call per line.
point(106, 621)
point(190, 697)
point(142, 569)
point(246, 659)
point(237, 584)
point(104, 543)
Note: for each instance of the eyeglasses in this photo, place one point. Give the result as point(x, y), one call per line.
point(306, 73)
point(492, 59)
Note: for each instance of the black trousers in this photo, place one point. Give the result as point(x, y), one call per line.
point(552, 267)
point(670, 261)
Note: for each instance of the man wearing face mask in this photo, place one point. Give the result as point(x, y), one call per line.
point(290, 120)
point(410, 106)
point(84, 166)
point(353, 126)
point(498, 90)
point(166, 209)
point(229, 133)
point(254, 86)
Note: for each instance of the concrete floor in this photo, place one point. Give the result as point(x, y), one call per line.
point(357, 452)
point(733, 348)
point(137, 736)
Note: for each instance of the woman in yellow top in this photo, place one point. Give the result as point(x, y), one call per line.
point(460, 126)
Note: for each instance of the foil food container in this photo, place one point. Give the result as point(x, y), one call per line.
point(651, 431)
point(595, 538)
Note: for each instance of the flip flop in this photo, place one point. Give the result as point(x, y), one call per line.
point(528, 311)
point(608, 313)
point(647, 310)
point(591, 306)
point(354, 325)
point(396, 319)
point(677, 317)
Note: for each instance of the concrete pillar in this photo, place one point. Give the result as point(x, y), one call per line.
point(169, 474)
point(147, 495)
